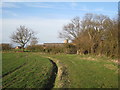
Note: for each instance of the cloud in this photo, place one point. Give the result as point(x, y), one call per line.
point(0, 4)
point(44, 5)
point(84, 8)
point(99, 9)
point(0, 13)
point(46, 29)
point(38, 5)
point(10, 5)
point(61, 7)
point(61, 1)
point(10, 13)
point(73, 4)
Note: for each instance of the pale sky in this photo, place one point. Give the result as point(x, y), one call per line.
point(48, 18)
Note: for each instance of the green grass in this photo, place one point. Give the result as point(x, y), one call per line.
point(82, 71)
point(34, 74)
point(86, 71)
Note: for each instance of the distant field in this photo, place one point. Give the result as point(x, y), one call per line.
point(33, 70)
point(25, 70)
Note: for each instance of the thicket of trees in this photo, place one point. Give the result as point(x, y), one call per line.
point(94, 34)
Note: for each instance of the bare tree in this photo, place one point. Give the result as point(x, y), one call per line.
point(34, 41)
point(22, 36)
point(93, 24)
point(71, 30)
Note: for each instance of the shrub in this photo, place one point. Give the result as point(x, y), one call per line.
point(5, 47)
point(35, 48)
point(70, 48)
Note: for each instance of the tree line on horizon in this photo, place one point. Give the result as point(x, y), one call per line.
point(93, 34)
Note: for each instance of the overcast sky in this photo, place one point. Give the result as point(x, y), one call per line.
point(47, 19)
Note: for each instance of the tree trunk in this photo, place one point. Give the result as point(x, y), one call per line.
point(23, 48)
point(78, 51)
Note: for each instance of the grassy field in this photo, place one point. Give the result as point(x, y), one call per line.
point(25, 70)
point(32, 70)
point(86, 71)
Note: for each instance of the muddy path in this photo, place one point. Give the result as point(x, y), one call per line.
point(51, 80)
point(59, 76)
